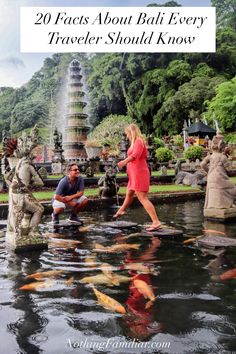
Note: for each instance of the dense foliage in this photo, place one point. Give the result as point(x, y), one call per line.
point(110, 130)
point(163, 154)
point(223, 105)
point(193, 153)
point(158, 90)
point(158, 142)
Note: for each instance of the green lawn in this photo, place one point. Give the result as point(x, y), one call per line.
point(93, 192)
point(154, 174)
point(233, 179)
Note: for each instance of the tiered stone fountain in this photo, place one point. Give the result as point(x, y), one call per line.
point(76, 129)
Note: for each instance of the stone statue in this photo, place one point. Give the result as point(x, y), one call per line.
point(25, 211)
point(163, 170)
point(177, 167)
point(108, 187)
point(89, 171)
point(220, 192)
point(57, 139)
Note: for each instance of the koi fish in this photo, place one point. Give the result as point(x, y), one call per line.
point(37, 285)
point(40, 275)
point(70, 281)
point(64, 243)
point(91, 261)
point(229, 274)
point(193, 239)
point(108, 273)
point(103, 279)
point(140, 267)
point(137, 234)
point(85, 228)
point(108, 302)
point(116, 248)
point(146, 290)
point(214, 231)
point(54, 234)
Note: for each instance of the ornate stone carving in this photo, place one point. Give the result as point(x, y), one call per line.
point(108, 187)
point(25, 211)
point(57, 139)
point(220, 192)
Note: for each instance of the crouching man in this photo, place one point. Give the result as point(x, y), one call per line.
point(69, 194)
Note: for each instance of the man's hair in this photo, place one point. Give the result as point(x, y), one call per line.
point(69, 167)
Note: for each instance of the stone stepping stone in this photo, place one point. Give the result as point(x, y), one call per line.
point(216, 241)
point(106, 230)
point(64, 224)
point(119, 224)
point(213, 251)
point(165, 232)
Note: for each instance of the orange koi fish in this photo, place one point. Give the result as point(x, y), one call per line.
point(146, 290)
point(214, 231)
point(85, 228)
point(54, 234)
point(193, 239)
point(137, 234)
point(140, 267)
point(91, 261)
point(64, 243)
point(70, 281)
point(103, 279)
point(116, 248)
point(108, 303)
point(108, 273)
point(229, 274)
point(40, 275)
point(37, 285)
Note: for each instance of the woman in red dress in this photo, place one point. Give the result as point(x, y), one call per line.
point(139, 175)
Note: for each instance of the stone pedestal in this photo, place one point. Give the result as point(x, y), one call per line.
point(58, 162)
point(25, 238)
point(58, 168)
point(27, 241)
point(95, 164)
point(220, 214)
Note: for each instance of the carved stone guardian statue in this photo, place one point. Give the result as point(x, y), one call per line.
point(220, 192)
point(25, 211)
point(108, 187)
point(58, 161)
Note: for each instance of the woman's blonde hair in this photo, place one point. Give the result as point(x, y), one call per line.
point(135, 133)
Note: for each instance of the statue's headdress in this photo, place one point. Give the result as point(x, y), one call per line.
point(218, 142)
point(26, 143)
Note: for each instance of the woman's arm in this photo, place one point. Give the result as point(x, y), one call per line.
point(124, 162)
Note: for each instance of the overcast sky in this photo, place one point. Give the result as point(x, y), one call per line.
point(17, 68)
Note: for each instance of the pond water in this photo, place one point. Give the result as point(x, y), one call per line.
point(192, 312)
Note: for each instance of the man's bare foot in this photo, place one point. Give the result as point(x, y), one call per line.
point(118, 214)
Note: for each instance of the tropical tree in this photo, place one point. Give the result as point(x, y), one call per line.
point(110, 130)
point(26, 114)
point(189, 97)
point(223, 106)
point(225, 12)
point(105, 87)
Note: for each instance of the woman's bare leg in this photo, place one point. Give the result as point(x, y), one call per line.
point(128, 200)
point(150, 209)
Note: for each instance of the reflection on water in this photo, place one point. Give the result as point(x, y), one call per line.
point(172, 300)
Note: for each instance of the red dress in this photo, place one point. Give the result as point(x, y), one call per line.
point(137, 170)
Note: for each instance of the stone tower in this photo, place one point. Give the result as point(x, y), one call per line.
point(76, 129)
